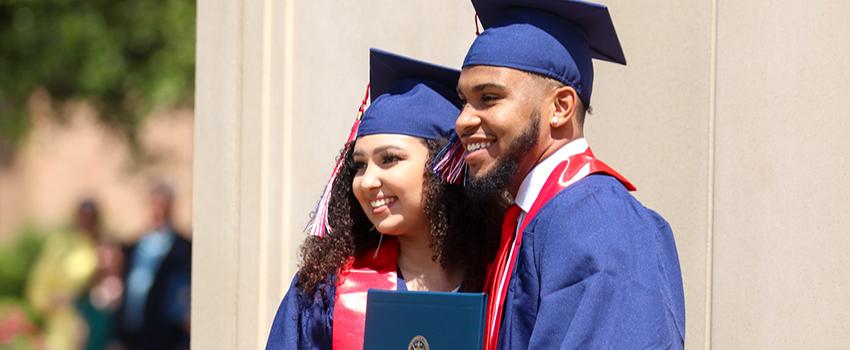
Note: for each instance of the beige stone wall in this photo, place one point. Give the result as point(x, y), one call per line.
point(59, 163)
point(729, 118)
point(782, 229)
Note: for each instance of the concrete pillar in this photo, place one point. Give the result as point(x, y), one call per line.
point(730, 119)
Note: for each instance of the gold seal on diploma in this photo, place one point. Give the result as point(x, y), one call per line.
point(418, 343)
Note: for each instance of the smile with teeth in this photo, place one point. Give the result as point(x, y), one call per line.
point(382, 202)
point(472, 147)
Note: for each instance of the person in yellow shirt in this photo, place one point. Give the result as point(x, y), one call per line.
point(61, 273)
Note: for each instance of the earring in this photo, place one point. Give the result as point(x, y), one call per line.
point(380, 240)
point(553, 121)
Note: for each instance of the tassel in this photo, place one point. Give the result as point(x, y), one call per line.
point(319, 225)
point(450, 162)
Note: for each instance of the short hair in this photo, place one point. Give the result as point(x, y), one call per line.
point(551, 83)
point(88, 205)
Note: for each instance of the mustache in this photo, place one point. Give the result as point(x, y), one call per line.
point(493, 186)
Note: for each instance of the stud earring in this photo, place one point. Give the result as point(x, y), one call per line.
point(553, 121)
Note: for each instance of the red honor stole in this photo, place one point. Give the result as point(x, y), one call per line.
point(375, 269)
point(568, 172)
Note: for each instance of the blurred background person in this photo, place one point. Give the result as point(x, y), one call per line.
point(155, 311)
point(101, 301)
point(61, 273)
point(94, 99)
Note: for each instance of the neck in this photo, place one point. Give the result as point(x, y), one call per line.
point(529, 163)
point(554, 139)
point(158, 224)
point(420, 271)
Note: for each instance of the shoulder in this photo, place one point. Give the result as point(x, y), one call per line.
point(180, 240)
point(292, 297)
point(321, 297)
point(596, 199)
point(293, 303)
point(180, 254)
point(594, 213)
point(303, 321)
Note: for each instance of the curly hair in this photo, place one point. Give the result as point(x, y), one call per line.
point(454, 239)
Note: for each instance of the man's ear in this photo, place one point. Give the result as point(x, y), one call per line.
point(566, 104)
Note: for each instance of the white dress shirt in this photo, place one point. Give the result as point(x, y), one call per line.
point(536, 178)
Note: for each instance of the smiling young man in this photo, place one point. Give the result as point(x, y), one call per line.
point(581, 263)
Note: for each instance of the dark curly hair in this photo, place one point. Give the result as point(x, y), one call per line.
point(457, 239)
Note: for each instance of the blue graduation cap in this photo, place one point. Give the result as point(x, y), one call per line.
point(410, 97)
point(553, 38)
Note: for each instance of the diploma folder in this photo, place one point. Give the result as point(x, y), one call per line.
point(400, 320)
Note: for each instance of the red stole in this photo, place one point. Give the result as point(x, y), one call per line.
point(568, 172)
point(371, 270)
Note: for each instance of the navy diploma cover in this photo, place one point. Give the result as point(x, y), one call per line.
point(424, 320)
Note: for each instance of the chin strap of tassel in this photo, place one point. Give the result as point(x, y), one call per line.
point(450, 163)
point(319, 225)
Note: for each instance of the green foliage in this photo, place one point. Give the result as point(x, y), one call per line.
point(124, 56)
point(16, 259)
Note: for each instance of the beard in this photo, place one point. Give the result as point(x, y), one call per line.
point(486, 197)
point(492, 187)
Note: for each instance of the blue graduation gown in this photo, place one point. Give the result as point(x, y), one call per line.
point(596, 270)
point(307, 323)
point(304, 322)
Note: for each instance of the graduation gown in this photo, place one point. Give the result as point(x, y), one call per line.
point(595, 270)
point(304, 322)
point(307, 322)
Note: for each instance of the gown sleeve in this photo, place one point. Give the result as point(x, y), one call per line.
point(593, 273)
point(303, 322)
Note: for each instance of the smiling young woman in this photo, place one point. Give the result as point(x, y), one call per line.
point(384, 188)
point(391, 222)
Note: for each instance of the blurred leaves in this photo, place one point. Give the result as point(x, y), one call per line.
point(17, 319)
point(16, 259)
point(124, 56)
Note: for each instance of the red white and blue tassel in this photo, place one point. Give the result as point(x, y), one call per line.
point(319, 225)
point(450, 162)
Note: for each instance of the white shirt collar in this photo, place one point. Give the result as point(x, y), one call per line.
point(536, 178)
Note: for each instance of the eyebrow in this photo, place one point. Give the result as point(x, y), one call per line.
point(379, 150)
point(484, 86)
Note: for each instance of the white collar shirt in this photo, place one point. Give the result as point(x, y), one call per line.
point(536, 178)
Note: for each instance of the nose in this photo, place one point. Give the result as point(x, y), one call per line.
point(370, 179)
point(467, 121)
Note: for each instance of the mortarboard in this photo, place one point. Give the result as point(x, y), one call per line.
point(553, 38)
point(409, 97)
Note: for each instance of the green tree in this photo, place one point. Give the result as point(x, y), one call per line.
point(123, 56)
point(16, 258)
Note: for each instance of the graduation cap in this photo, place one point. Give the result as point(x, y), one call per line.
point(409, 97)
point(553, 38)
